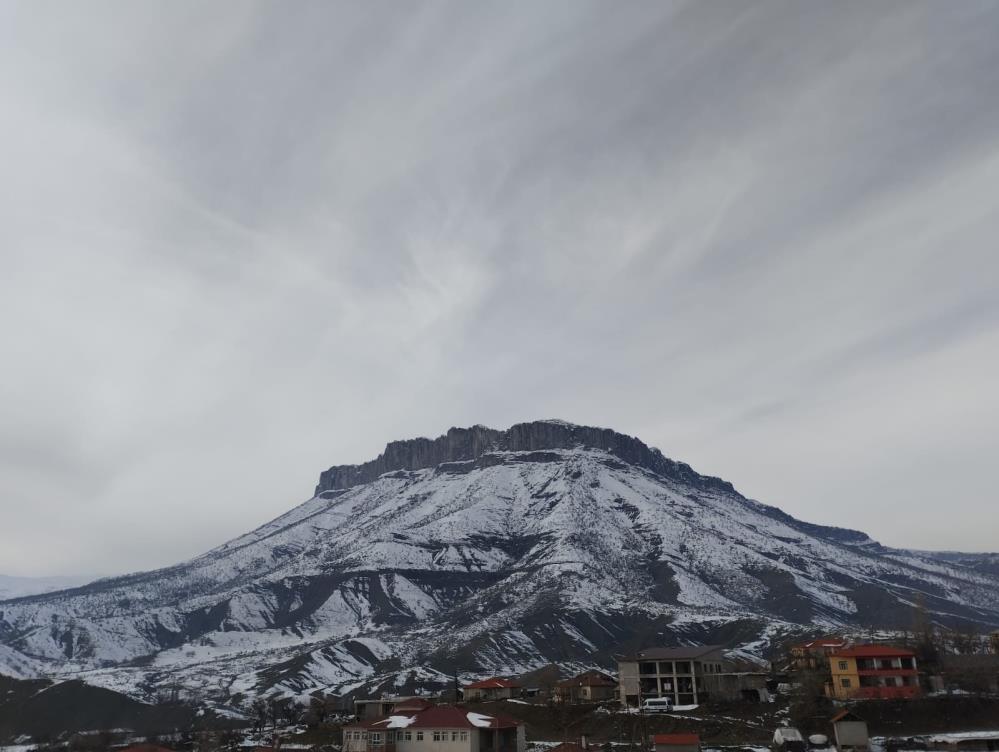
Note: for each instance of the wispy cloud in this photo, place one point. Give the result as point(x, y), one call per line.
point(241, 243)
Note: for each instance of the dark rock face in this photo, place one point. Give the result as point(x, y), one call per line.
point(465, 444)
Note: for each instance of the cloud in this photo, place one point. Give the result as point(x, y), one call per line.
point(240, 245)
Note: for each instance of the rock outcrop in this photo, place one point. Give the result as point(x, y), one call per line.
point(464, 444)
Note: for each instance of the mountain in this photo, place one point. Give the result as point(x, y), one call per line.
point(17, 587)
point(483, 552)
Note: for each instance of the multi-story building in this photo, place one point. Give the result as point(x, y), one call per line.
point(676, 673)
point(436, 729)
point(873, 672)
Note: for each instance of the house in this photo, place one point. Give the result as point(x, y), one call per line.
point(676, 673)
point(850, 732)
point(814, 654)
point(873, 672)
point(591, 686)
point(382, 706)
point(436, 729)
point(496, 688)
point(677, 743)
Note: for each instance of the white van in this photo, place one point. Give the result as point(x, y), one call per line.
point(657, 705)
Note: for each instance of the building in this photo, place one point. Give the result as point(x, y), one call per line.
point(676, 673)
point(873, 672)
point(436, 729)
point(382, 706)
point(850, 732)
point(677, 743)
point(592, 686)
point(814, 654)
point(492, 689)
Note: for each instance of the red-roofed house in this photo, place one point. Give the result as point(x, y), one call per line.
point(873, 672)
point(436, 729)
point(677, 742)
point(496, 688)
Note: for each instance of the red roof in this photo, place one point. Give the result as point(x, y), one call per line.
point(677, 739)
point(494, 683)
point(873, 651)
point(441, 717)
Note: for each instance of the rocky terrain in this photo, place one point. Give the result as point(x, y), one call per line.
point(483, 552)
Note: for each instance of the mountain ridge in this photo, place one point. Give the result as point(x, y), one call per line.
point(507, 550)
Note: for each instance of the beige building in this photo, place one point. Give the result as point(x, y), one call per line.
point(676, 673)
point(436, 729)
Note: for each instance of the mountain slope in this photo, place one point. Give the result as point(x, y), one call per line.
point(486, 552)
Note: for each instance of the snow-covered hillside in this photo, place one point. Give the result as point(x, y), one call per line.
point(484, 552)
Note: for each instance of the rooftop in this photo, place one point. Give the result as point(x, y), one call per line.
point(449, 717)
point(873, 651)
point(686, 653)
point(495, 683)
point(678, 739)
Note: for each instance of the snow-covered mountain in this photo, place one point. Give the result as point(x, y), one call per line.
point(484, 552)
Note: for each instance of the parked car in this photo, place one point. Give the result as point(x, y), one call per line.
point(657, 705)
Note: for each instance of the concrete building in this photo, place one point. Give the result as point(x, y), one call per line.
point(436, 729)
point(676, 673)
point(873, 672)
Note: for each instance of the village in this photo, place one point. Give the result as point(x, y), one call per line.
point(828, 693)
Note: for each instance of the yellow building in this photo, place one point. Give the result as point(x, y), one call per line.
point(873, 672)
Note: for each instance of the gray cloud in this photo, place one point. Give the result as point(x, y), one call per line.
point(241, 244)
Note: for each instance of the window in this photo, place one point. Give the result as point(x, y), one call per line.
point(646, 668)
point(390, 736)
point(437, 736)
point(666, 667)
point(408, 736)
point(683, 667)
point(842, 665)
point(464, 736)
point(375, 737)
point(419, 736)
point(454, 736)
point(844, 683)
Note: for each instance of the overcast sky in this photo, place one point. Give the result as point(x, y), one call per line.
point(242, 242)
